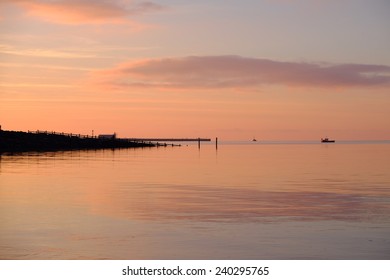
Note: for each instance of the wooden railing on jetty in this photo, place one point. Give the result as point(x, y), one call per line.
point(62, 134)
point(125, 139)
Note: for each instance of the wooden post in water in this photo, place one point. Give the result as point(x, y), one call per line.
point(199, 143)
point(216, 143)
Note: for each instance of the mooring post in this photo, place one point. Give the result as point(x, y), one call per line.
point(199, 143)
point(216, 143)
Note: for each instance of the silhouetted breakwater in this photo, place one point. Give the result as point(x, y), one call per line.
point(17, 141)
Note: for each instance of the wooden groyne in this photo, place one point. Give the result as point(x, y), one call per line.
point(169, 139)
point(158, 140)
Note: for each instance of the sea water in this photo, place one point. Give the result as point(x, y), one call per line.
point(240, 200)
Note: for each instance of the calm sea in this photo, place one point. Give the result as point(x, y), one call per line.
point(240, 201)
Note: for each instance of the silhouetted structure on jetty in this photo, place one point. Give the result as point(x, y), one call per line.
point(17, 141)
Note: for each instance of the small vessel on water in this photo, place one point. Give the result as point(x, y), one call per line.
point(327, 140)
point(254, 140)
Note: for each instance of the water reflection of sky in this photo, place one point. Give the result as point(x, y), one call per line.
point(292, 201)
point(291, 182)
point(202, 203)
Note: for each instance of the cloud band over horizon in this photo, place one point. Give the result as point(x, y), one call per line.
point(240, 72)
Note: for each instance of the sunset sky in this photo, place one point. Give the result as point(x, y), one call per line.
point(270, 69)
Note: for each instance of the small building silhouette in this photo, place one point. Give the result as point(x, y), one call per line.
point(107, 136)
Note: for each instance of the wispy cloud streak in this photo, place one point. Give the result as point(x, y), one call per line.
point(8, 49)
point(241, 72)
point(85, 11)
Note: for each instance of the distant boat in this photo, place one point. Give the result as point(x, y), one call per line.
point(327, 140)
point(254, 140)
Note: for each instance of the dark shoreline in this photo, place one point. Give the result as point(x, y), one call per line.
point(18, 141)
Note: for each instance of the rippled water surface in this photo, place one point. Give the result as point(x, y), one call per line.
point(252, 201)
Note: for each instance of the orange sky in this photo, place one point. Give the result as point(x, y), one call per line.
point(266, 69)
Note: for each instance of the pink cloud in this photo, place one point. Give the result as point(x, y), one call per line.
point(241, 72)
point(85, 11)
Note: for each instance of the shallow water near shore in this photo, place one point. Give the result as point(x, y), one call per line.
point(240, 201)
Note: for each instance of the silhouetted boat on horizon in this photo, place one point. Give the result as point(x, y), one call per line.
point(327, 140)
